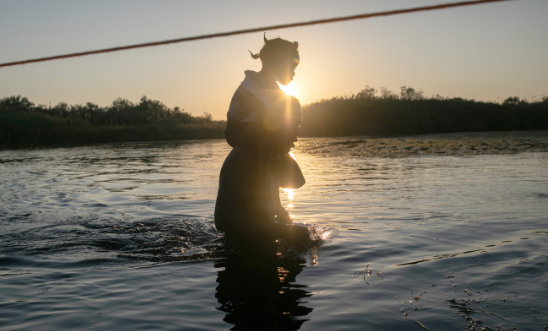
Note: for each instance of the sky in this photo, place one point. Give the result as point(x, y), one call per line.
point(484, 52)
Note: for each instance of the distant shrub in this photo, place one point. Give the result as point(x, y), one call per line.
point(369, 112)
point(24, 124)
point(384, 113)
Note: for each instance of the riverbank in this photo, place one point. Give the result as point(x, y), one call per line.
point(368, 113)
point(40, 130)
point(24, 125)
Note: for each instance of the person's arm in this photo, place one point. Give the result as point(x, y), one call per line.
point(289, 174)
point(294, 234)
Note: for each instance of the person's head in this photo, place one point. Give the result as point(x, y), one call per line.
point(280, 58)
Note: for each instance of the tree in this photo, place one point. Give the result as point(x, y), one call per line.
point(386, 93)
point(207, 117)
point(410, 94)
point(367, 93)
point(514, 101)
point(15, 104)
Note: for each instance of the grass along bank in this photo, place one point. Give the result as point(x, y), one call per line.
point(376, 113)
point(22, 124)
point(367, 113)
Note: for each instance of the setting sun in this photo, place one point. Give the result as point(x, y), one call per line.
point(289, 89)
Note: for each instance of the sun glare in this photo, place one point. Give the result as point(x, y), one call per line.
point(289, 89)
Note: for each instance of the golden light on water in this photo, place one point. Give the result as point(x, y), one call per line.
point(290, 196)
point(290, 193)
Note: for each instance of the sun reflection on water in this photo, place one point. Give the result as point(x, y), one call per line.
point(290, 196)
point(290, 193)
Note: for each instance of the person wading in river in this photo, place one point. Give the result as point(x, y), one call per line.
point(256, 113)
point(262, 126)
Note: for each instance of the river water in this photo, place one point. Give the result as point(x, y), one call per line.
point(434, 232)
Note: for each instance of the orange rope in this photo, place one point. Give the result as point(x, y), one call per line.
point(273, 27)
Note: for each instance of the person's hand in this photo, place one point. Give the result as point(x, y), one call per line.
point(299, 235)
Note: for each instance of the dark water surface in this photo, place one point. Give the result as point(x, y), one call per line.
point(436, 232)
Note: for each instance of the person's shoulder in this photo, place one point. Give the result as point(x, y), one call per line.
point(251, 81)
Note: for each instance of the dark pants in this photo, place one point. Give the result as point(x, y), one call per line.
point(237, 213)
point(242, 222)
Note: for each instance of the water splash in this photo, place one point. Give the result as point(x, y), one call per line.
point(319, 234)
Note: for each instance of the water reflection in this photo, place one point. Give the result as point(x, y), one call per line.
point(257, 291)
point(290, 196)
point(74, 245)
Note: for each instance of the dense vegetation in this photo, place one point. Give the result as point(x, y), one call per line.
point(372, 112)
point(368, 112)
point(24, 124)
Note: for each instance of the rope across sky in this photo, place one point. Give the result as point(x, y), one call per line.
point(273, 27)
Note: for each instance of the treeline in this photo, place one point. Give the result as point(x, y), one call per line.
point(24, 124)
point(369, 112)
point(372, 112)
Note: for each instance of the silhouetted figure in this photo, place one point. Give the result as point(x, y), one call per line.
point(257, 290)
point(262, 126)
point(256, 111)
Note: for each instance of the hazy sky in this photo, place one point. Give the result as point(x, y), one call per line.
point(483, 52)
